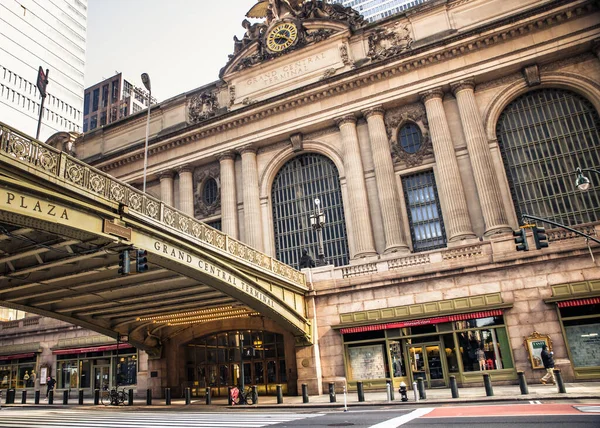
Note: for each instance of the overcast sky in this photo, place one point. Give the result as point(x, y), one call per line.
point(181, 44)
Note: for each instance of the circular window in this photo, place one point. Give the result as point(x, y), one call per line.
point(410, 138)
point(210, 191)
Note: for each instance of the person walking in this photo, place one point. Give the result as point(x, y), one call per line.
point(50, 383)
point(548, 362)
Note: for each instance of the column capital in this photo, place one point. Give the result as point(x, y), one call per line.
point(349, 118)
point(226, 155)
point(248, 148)
point(436, 93)
point(373, 111)
point(166, 174)
point(184, 168)
point(461, 85)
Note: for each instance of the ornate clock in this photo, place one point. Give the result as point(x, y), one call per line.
point(282, 36)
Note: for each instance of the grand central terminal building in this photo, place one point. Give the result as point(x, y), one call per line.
point(427, 138)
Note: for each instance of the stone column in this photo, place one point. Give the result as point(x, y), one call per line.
point(252, 216)
point(488, 188)
point(454, 204)
point(166, 187)
point(387, 190)
point(186, 190)
point(357, 190)
point(229, 215)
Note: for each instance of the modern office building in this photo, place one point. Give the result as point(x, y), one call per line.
point(110, 100)
point(427, 137)
point(373, 10)
point(51, 35)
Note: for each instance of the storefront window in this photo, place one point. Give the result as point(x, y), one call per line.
point(17, 373)
point(84, 369)
point(367, 362)
point(67, 373)
point(451, 354)
point(398, 368)
point(480, 350)
point(126, 368)
point(583, 337)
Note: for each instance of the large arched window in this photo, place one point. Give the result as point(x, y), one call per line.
point(295, 188)
point(544, 135)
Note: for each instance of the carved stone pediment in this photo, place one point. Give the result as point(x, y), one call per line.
point(384, 43)
point(315, 21)
point(202, 106)
point(397, 118)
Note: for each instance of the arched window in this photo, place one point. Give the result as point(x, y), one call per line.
point(410, 138)
point(544, 135)
point(295, 188)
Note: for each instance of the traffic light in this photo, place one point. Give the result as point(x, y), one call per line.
point(124, 262)
point(521, 240)
point(540, 237)
point(141, 261)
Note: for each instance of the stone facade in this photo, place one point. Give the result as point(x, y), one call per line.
point(450, 67)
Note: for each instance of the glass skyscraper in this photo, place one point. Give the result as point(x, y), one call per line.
point(50, 34)
point(374, 10)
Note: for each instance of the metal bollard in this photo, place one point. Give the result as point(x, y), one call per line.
point(421, 386)
point(279, 395)
point(168, 396)
point(523, 383)
point(361, 392)
point(148, 397)
point(453, 387)
point(65, 397)
point(96, 397)
point(559, 381)
point(130, 397)
point(10, 396)
point(304, 393)
point(36, 397)
point(188, 396)
point(80, 396)
point(416, 391)
point(51, 397)
point(332, 392)
point(255, 392)
point(388, 393)
point(389, 382)
point(489, 391)
point(24, 397)
point(208, 397)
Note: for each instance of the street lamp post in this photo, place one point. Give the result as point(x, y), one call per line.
point(317, 221)
point(146, 82)
point(582, 182)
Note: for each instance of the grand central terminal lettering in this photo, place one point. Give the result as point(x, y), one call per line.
point(36, 205)
point(289, 71)
point(214, 271)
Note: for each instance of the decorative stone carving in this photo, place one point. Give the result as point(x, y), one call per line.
point(386, 43)
point(345, 56)
point(201, 176)
point(337, 12)
point(532, 75)
point(202, 106)
point(395, 119)
point(349, 118)
point(231, 95)
point(462, 84)
point(328, 73)
point(296, 140)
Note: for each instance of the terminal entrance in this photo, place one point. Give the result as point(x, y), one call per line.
point(214, 361)
point(426, 363)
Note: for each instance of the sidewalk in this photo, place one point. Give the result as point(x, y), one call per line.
point(575, 391)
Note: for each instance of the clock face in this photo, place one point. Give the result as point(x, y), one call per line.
point(282, 36)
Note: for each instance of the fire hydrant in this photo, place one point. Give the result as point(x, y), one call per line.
point(402, 391)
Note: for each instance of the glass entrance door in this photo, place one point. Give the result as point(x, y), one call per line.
point(102, 377)
point(426, 363)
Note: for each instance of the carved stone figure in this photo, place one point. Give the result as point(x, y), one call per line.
point(279, 9)
point(202, 106)
point(387, 43)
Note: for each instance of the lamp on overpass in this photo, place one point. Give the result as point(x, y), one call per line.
point(582, 182)
point(146, 82)
point(317, 221)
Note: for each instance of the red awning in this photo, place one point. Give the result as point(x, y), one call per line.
point(16, 356)
point(579, 302)
point(91, 349)
point(423, 321)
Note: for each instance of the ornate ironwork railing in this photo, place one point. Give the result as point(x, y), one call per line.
point(48, 160)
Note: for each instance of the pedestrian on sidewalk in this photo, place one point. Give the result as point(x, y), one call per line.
point(548, 361)
point(50, 383)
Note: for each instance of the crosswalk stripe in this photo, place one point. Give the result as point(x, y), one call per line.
point(588, 409)
point(82, 419)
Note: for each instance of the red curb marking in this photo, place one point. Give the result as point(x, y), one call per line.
point(505, 410)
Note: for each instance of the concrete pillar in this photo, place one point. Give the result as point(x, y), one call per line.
point(387, 191)
point(186, 190)
point(488, 188)
point(166, 187)
point(252, 214)
point(452, 195)
point(229, 215)
point(357, 190)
